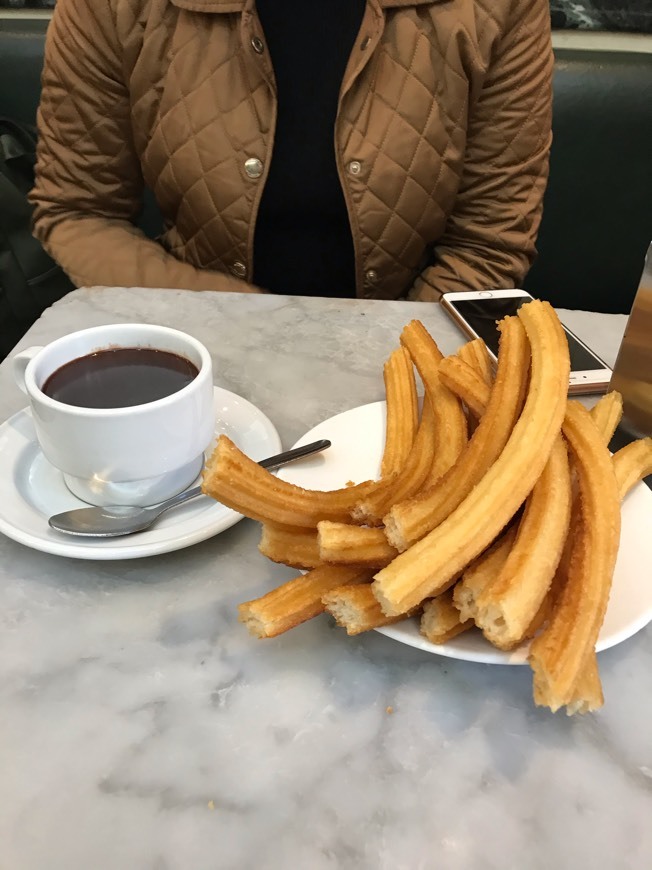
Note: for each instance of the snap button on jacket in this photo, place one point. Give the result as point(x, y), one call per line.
point(442, 139)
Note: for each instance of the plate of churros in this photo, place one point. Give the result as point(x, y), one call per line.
point(630, 602)
point(488, 522)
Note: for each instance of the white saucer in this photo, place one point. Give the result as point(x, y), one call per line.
point(34, 490)
point(357, 438)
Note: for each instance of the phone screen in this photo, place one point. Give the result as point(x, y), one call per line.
point(482, 314)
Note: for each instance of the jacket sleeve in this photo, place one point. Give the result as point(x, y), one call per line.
point(89, 186)
point(489, 237)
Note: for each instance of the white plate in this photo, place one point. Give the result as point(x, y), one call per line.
point(34, 490)
point(358, 437)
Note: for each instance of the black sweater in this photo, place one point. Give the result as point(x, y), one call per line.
point(302, 243)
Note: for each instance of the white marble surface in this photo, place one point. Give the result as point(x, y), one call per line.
point(141, 728)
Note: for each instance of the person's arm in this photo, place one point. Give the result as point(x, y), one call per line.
point(89, 185)
point(489, 237)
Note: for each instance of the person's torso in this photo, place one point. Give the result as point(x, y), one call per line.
point(204, 112)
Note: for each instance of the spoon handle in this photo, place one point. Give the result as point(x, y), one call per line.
point(270, 463)
point(280, 459)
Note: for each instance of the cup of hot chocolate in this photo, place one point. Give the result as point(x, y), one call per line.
point(124, 411)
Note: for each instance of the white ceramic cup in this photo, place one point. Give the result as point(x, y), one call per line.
point(137, 455)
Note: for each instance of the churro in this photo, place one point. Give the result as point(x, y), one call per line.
point(607, 414)
point(371, 508)
point(632, 463)
point(441, 436)
point(532, 566)
point(507, 606)
point(587, 695)
point(481, 572)
point(345, 543)
point(430, 565)
point(441, 620)
point(466, 383)
point(408, 521)
point(290, 545)
point(559, 653)
point(476, 355)
point(449, 420)
point(240, 483)
point(355, 608)
point(297, 600)
point(476, 584)
point(402, 411)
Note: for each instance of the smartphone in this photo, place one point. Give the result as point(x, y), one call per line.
point(477, 312)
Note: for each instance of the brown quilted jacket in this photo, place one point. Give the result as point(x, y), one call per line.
point(442, 141)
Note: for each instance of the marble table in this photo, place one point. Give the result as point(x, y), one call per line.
point(141, 728)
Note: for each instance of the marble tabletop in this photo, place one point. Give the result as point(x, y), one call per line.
point(142, 728)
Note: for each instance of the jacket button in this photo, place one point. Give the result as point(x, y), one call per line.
point(371, 276)
point(257, 44)
point(239, 269)
point(355, 167)
point(253, 167)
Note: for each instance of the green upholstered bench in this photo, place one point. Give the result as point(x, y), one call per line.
point(597, 219)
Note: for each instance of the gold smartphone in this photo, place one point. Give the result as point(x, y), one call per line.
point(476, 313)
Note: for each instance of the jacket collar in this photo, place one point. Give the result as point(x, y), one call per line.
point(239, 5)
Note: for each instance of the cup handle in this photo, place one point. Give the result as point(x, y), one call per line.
point(20, 363)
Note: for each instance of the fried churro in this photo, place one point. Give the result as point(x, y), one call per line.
point(371, 508)
point(507, 606)
point(637, 458)
point(481, 572)
point(449, 420)
point(345, 543)
point(632, 463)
point(355, 608)
point(587, 695)
point(559, 653)
point(466, 383)
point(441, 435)
point(240, 483)
point(607, 414)
point(441, 620)
point(289, 545)
point(429, 566)
point(475, 354)
point(408, 521)
point(402, 411)
point(297, 600)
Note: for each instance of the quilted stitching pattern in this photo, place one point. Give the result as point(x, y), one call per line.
point(449, 117)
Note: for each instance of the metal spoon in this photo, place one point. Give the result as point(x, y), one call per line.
point(117, 520)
